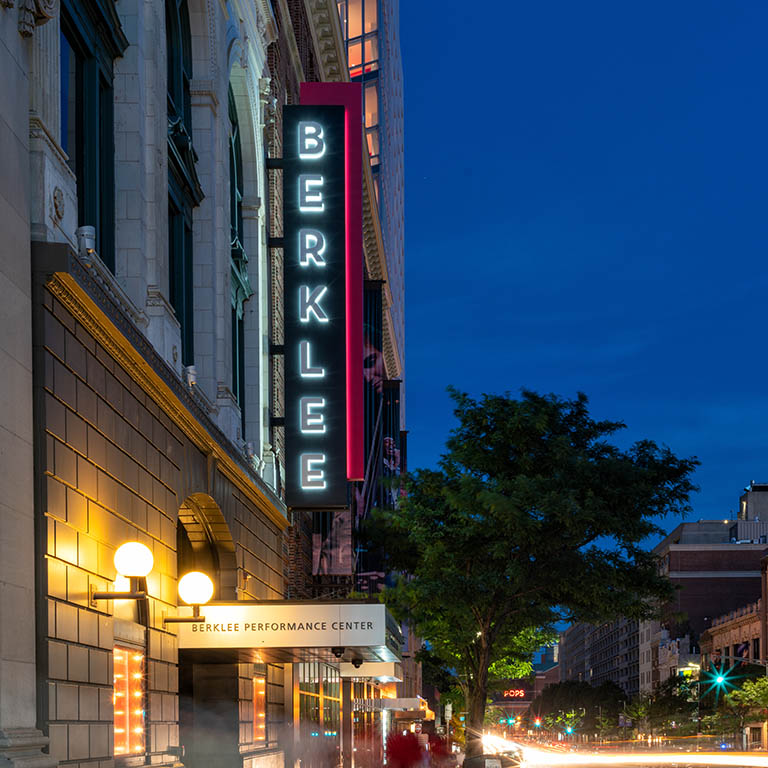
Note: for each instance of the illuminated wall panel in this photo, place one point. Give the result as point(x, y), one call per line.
point(259, 709)
point(129, 696)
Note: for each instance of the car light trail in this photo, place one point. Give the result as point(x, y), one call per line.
point(540, 757)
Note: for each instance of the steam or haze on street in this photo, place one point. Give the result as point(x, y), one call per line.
point(587, 209)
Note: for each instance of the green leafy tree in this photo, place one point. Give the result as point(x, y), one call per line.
point(638, 710)
point(532, 517)
point(605, 700)
point(571, 721)
point(749, 702)
point(605, 726)
point(673, 703)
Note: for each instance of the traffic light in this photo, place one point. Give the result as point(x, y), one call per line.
point(537, 722)
point(503, 721)
point(569, 729)
point(716, 680)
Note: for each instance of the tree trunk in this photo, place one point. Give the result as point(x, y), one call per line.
point(478, 693)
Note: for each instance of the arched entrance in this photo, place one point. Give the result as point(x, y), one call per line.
point(209, 714)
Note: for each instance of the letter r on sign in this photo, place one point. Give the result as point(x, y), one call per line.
point(311, 247)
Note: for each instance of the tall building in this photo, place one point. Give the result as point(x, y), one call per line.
point(143, 396)
point(371, 30)
point(603, 653)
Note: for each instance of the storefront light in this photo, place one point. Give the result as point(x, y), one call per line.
point(195, 589)
point(133, 561)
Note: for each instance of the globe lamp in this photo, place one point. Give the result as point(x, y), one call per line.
point(195, 588)
point(133, 560)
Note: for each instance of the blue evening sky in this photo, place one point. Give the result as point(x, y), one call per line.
point(587, 210)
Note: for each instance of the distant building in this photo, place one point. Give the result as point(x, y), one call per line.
point(546, 658)
point(599, 654)
point(574, 653)
point(715, 566)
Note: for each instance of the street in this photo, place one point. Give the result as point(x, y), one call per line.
point(552, 757)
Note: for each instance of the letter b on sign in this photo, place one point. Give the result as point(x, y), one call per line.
point(311, 141)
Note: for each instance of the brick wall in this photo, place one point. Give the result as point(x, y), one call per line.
point(112, 467)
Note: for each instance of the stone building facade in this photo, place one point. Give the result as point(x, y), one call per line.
point(141, 393)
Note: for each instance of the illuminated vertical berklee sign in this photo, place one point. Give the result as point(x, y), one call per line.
point(314, 199)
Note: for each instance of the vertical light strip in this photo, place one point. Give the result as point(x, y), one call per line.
point(128, 700)
point(259, 709)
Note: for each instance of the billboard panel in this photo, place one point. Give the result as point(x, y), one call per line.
point(314, 177)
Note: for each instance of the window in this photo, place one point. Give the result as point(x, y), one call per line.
point(359, 25)
point(71, 94)
point(184, 190)
point(87, 117)
point(354, 18)
point(180, 268)
point(129, 697)
point(756, 648)
point(241, 288)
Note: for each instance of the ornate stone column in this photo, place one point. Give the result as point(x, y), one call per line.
point(21, 743)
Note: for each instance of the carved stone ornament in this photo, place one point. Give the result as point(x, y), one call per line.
point(34, 13)
point(6, 3)
point(58, 203)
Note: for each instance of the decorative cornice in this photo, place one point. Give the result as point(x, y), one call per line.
point(182, 159)
point(101, 275)
point(65, 276)
point(34, 13)
point(325, 26)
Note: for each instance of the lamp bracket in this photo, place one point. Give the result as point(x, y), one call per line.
point(94, 595)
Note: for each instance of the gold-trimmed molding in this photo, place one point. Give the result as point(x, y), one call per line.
point(77, 301)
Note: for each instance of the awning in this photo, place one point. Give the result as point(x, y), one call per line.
point(383, 671)
point(411, 706)
point(287, 631)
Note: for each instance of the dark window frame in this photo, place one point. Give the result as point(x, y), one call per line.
point(184, 190)
point(93, 33)
point(241, 289)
